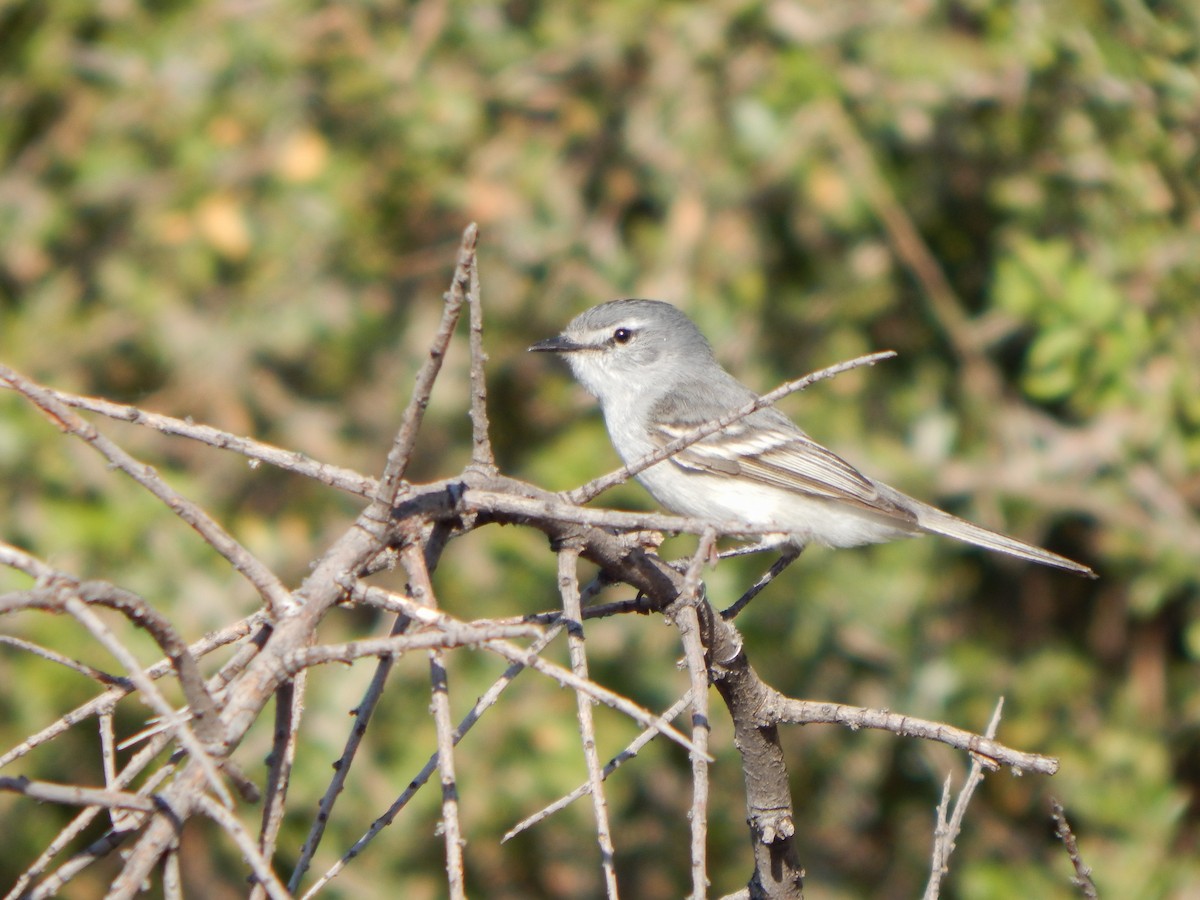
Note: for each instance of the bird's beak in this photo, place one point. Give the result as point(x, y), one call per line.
point(557, 344)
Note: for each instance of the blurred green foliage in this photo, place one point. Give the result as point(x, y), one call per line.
point(246, 213)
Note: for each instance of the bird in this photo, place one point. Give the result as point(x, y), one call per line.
point(656, 378)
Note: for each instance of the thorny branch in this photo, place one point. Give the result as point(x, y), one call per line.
point(1083, 873)
point(275, 648)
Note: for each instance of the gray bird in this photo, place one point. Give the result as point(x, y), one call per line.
point(656, 379)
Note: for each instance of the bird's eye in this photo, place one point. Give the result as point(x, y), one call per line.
point(622, 335)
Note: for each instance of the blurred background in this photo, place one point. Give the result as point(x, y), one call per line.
point(247, 212)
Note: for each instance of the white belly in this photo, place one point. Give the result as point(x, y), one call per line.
point(737, 505)
point(761, 509)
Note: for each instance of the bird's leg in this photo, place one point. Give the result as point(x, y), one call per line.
point(788, 556)
point(766, 542)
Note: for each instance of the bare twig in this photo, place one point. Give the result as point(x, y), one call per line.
point(83, 613)
point(277, 597)
point(948, 830)
point(687, 620)
point(172, 877)
point(520, 508)
point(53, 886)
point(341, 769)
point(938, 866)
point(74, 795)
point(413, 558)
point(481, 445)
point(568, 587)
point(107, 701)
point(1083, 874)
point(289, 708)
point(74, 665)
point(258, 674)
point(391, 481)
point(990, 753)
point(609, 698)
point(18, 559)
point(102, 705)
point(630, 751)
point(481, 705)
point(289, 460)
point(460, 635)
point(108, 759)
point(130, 821)
point(63, 589)
point(263, 874)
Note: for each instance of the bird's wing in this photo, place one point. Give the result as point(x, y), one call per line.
point(767, 448)
point(781, 456)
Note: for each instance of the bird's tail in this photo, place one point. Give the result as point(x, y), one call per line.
point(932, 519)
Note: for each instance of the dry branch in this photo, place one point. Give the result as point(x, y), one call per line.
point(568, 588)
point(1062, 829)
point(411, 523)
